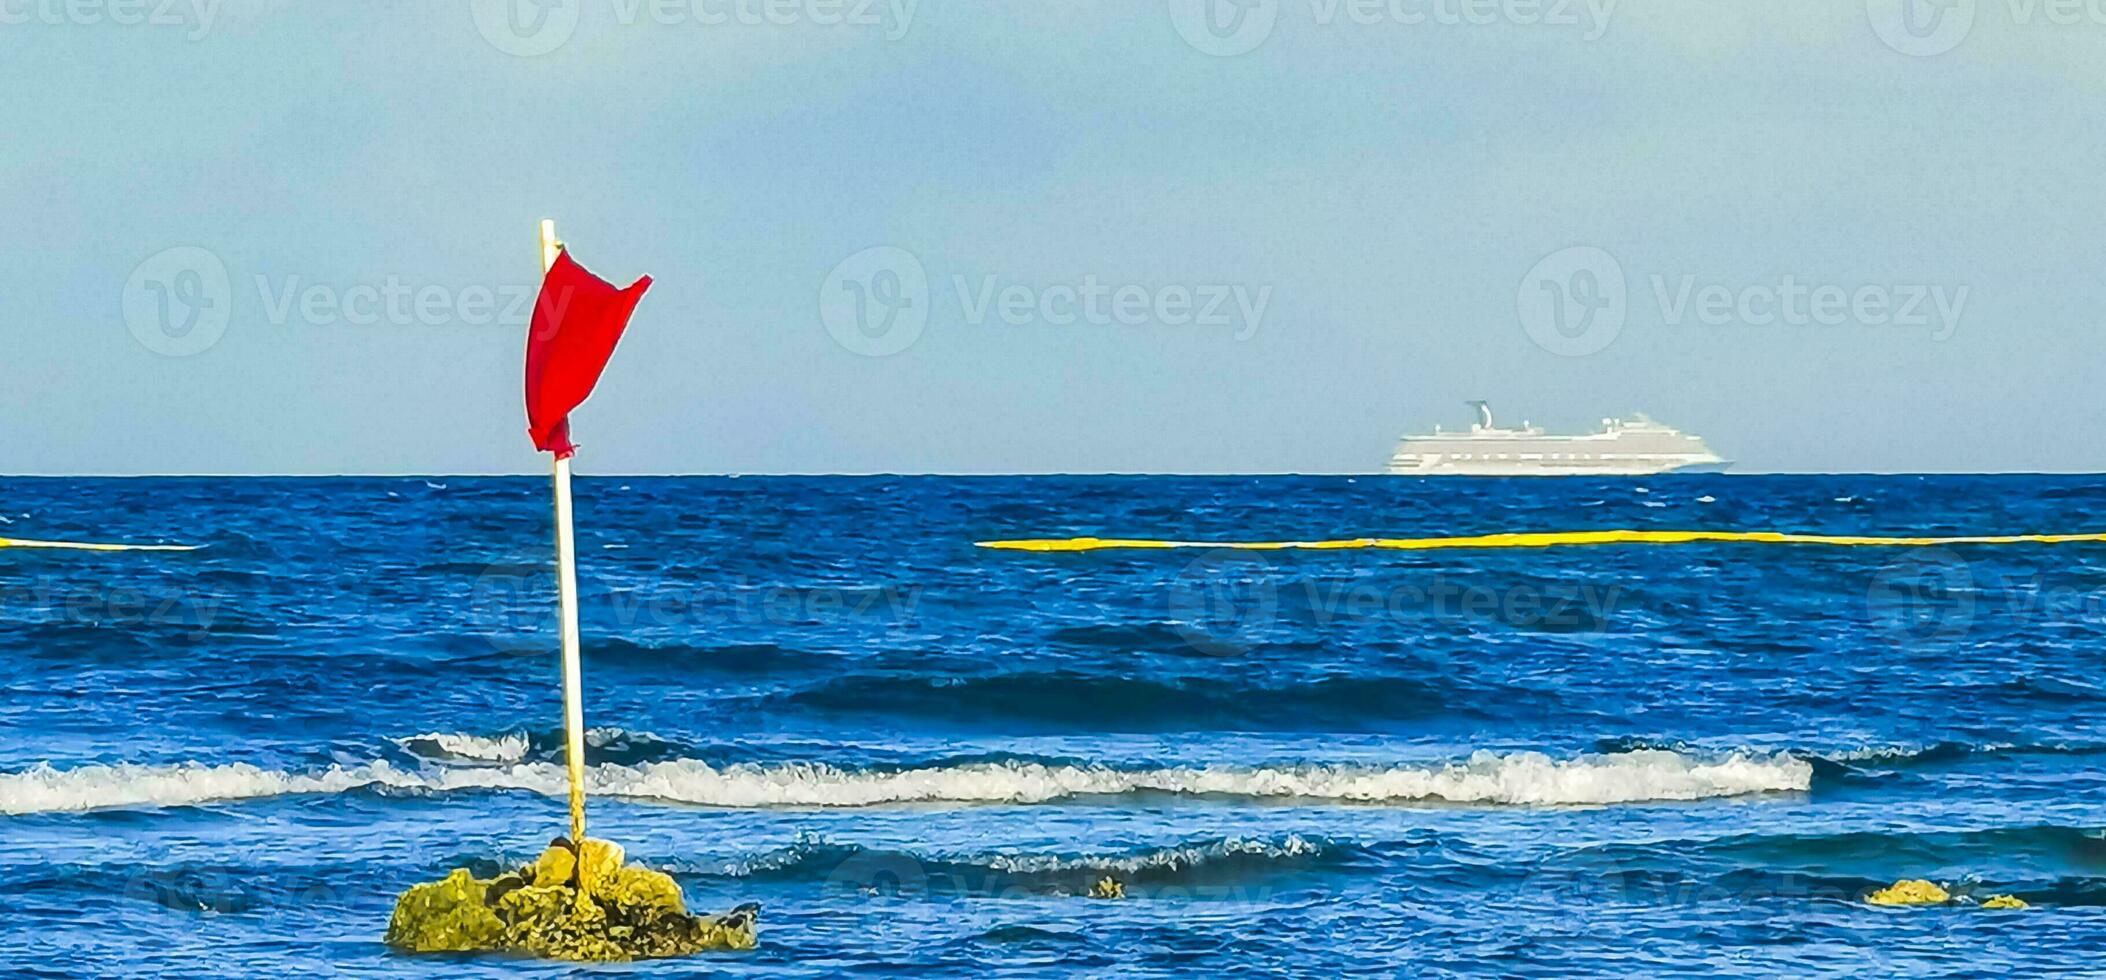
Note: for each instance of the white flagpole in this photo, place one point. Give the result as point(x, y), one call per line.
point(567, 606)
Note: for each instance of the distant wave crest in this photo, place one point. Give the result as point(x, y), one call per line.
point(1192, 864)
point(43, 789)
point(612, 745)
point(451, 747)
point(1486, 778)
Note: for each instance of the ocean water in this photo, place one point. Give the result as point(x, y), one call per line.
point(919, 756)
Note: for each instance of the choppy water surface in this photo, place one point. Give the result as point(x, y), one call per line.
point(919, 755)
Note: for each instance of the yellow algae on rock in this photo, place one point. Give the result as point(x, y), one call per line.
point(445, 916)
point(622, 913)
point(557, 866)
point(2005, 902)
point(640, 886)
point(598, 861)
point(1910, 891)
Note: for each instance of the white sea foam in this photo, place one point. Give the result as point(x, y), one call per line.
point(471, 748)
point(1293, 846)
point(456, 747)
point(43, 789)
point(1525, 779)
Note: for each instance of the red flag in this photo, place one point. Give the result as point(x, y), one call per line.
point(577, 320)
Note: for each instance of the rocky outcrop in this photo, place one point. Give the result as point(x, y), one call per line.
point(573, 903)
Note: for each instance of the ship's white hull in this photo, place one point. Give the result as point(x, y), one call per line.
point(1603, 468)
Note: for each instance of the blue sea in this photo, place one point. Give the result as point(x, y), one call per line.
point(920, 755)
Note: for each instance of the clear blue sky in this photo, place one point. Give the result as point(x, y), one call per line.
point(1366, 192)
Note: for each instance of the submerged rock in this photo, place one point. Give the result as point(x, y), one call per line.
point(1910, 891)
point(564, 908)
point(1915, 891)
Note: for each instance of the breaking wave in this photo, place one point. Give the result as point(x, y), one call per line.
point(602, 745)
point(1486, 778)
point(43, 789)
point(511, 747)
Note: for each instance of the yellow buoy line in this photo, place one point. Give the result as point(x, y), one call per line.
point(1537, 539)
point(87, 546)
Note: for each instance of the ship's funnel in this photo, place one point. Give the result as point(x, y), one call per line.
point(1484, 413)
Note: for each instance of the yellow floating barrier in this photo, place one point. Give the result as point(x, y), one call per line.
point(1536, 539)
point(86, 546)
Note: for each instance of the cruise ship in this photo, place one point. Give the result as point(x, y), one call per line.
point(1635, 446)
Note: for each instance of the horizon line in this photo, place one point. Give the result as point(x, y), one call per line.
point(955, 474)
